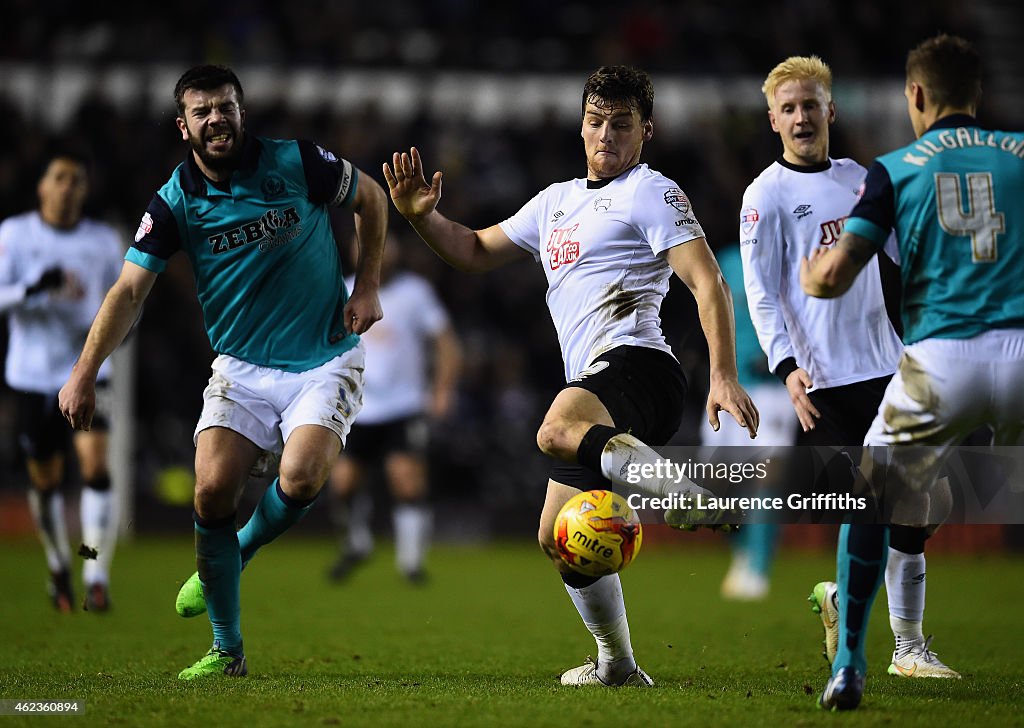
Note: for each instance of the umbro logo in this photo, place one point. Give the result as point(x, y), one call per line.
point(802, 211)
point(554, 218)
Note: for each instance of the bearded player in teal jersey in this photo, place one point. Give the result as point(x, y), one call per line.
point(953, 197)
point(252, 215)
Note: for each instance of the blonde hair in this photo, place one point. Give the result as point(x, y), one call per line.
point(798, 68)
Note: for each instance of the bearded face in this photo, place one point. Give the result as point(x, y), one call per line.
point(213, 125)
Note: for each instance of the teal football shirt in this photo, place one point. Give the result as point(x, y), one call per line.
point(954, 198)
point(267, 269)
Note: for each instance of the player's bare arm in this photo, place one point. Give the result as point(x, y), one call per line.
point(370, 208)
point(117, 315)
point(829, 273)
point(696, 266)
point(473, 251)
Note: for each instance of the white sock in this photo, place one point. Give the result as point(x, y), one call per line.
point(359, 536)
point(48, 512)
point(905, 588)
point(412, 523)
point(99, 531)
point(604, 613)
point(623, 454)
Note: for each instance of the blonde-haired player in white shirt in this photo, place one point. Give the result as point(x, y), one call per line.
point(608, 245)
point(835, 355)
point(55, 268)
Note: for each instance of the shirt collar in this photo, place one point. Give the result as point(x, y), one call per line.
point(953, 120)
point(194, 181)
point(596, 184)
point(816, 167)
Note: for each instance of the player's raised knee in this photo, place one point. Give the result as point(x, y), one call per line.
point(552, 440)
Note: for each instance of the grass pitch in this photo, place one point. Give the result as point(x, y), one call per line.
point(481, 644)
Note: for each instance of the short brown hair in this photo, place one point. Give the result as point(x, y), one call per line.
point(205, 78)
point(621, 85)
point(949, 69)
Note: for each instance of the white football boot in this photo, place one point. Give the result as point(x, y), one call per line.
point(919, 661)
point(586, 674)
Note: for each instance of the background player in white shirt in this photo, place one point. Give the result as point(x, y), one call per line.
point(413, 358)
point(836, 356)
point(55, 268)
point(608, 245)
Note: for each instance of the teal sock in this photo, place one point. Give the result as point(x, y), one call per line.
point(220, 569)
point(760, 543)
point(275, 514)
point(860, 565)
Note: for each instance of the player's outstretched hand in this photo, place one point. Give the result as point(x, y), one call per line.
point(798, 382)
point(77, 401)
point(727, 395)
point(413, 197)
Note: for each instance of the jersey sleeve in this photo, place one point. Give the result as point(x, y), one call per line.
point(875, 213)
point(523, 228)
point(330, 179)
point(663, 215)
point(8, 258)
point(12, 288)
point(157, 238)
point(762, 249)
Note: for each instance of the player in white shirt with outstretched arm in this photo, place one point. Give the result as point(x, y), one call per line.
point(608, 245)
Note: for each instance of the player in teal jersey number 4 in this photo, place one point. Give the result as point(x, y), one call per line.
point(953, 198)
point(252, 214)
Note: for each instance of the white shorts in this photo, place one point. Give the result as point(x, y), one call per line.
point(265, 405)
point(943, 390)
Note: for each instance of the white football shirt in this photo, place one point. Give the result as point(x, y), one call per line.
point(602, 248)
point(48, 329)
point(399, 349)
point(787, 214)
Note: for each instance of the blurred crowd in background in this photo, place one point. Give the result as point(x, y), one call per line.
point(485, 452)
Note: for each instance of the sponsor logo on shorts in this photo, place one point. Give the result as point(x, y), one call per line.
point(597, 366)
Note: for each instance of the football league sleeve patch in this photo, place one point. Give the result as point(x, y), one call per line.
point(156, 238)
